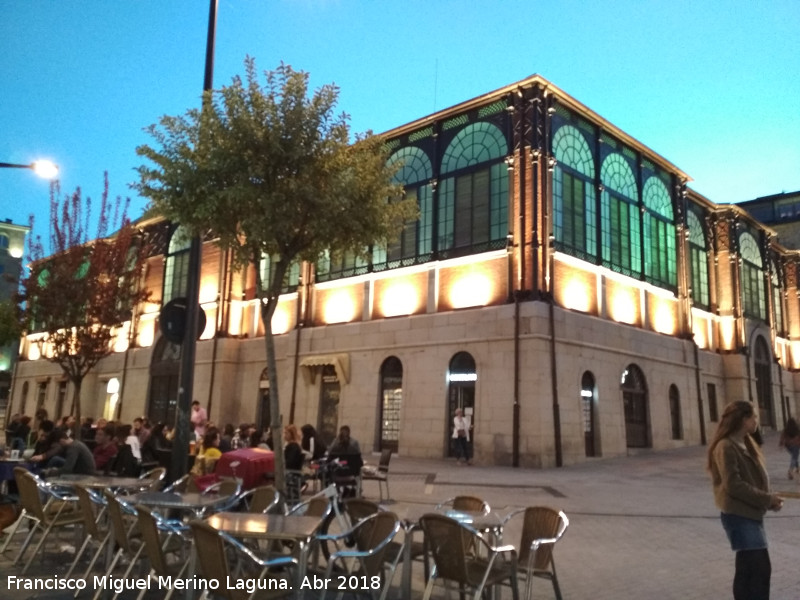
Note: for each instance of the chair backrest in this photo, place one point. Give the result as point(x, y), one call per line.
point(316, 506)
point(359, 508)
point(541, 523)
point(183, 485)
point(86, 506)
point(213, 560)
point(148, 528)
point(467, 503)
point(226, 487)
point(383, 464)
point(261, 498)
point(155, 477)
point(449, 542)
point(369, 534)
point(28, 486)
point(117, 520)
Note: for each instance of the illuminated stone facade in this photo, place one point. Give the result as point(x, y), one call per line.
point(563, 284)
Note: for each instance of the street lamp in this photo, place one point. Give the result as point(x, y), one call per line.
point(43, 168)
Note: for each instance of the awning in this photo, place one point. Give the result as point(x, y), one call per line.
point(313, 364)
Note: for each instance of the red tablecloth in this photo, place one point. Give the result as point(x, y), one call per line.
point(253, 464)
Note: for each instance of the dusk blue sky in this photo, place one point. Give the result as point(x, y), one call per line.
point(714, 87)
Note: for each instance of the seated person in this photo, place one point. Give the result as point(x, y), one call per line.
point(125, 464)
point(47, 452)
point(347, 450)
point(106, 449)
point(206, 459)
point(78, 458)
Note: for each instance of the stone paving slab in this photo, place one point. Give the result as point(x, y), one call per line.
point(641, 527)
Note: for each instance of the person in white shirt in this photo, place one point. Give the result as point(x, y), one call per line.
point(461, 430)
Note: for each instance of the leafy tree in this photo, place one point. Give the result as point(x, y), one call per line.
point(78, 296)
point(272, 172)
point(10, 330)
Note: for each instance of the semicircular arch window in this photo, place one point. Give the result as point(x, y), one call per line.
point(473, 197)
point(620, 216)
point(752, 276)
point(660, 248)
point(698, 260)
point(176, 270)
point(574, 206)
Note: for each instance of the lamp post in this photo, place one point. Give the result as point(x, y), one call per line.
point(43, 168)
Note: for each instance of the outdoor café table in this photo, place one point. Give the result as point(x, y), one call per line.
point(193, 502)
point(409, 519)
point(248, 464)
point(298, 528)
point(97, 482)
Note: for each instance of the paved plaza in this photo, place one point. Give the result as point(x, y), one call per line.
point(641, 527)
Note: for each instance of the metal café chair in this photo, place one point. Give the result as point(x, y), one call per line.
point(542, 527)
point(160, 539)
point(122, 517)
point(262, 499)
point(91, 530)
point(213, 563)
point(379, 474)
point(462, 555)
point(59, 511)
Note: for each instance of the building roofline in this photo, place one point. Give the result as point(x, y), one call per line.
point(548, 88)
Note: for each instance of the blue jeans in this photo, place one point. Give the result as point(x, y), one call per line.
point(794, 453)
point(462, 448)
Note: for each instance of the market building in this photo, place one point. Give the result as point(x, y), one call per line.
point(563, 285)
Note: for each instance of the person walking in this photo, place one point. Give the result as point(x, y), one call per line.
point(790, 439)
point(741, 492)
point(461, 427)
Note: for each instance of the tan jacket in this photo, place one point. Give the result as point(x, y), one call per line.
point(741, 484)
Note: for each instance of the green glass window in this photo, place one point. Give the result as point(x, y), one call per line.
point(621, 227)
point(291, 281)
point(176, 271)
point(473, 197)
point(337, 267)
point(574, 212)
point(698, 261)
point(415, 242)
point(752, 275)
point(660, 252)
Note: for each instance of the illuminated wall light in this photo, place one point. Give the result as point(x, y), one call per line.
point(211, 323)
point(5, 361)
point(112, 387)
point(727, 332)
point(474, 289)
point(208, 292)
point(280, 320)
point(699, 331)
point(235, 318)
point(15, 251)
point(34, 351)
point(795, 347)
point(340, 308)
point(623, 308)
point(121, 337)
point(147, 331)
point(463, 377)
point(576, 295)
point(664, 319)
point(400, 299)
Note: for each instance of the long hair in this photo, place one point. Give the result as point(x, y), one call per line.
point(732, 421)
point(291, 434)
point(792, 429)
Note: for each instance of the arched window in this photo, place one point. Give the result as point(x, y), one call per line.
point(675, 412)
point(588, 403)
point(473, 197)
point(753, 297)
point(4, 241)
point(416, 240)
point(574, 211)
point(290, 282)
point(777, 297)
point(620, 216)
point(391, 402)
point(176, 272)
point(763, 372)
point(164, 371)
point(461, 378)
point(659, 234)
point(698, 260)
point(635, 402)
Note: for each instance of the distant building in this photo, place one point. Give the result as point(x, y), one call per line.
point(12, 246)
point(563, 285)
point(781, 212)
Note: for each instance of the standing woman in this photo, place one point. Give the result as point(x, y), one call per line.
point(741, 492)
point(461, 427)
point(790, 439)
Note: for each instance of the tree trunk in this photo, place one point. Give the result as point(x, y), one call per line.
point(267, 310)
point(77, 382)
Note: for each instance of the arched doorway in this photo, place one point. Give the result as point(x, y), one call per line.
point(461, 379)
point(164, 371)
point(391, 402)
point(634, 399)
point(588, 401)
point(676, 421)
point(763, 370)
point(329, 393)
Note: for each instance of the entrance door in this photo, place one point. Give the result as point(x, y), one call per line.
point(587, 404)
point(634, 398)
point(391, 402)
point(763, 371)
point(461, 394)
point(164, 371)
point(328, 426)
